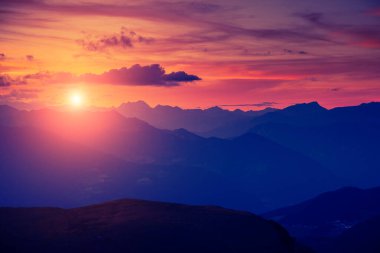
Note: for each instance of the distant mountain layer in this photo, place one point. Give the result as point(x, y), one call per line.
point(139, 226)
point(329, 214)
point(344, 140)
point(363, 238)
point(38, 168)
point(202, 122)
point(288, 156)
point(344, 221)
point(133, 158)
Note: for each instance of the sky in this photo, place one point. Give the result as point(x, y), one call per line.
point(246, 54)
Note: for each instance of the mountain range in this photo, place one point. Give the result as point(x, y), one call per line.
point(204, 122)
point(150, 162)
point(344, 140)
point(287, 156)
point(311, 169)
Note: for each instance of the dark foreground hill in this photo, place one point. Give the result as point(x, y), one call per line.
point(140, 226)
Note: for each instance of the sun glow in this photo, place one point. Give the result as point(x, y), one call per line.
point(76, 99)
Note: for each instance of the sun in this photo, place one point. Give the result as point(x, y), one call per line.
point(76, 99)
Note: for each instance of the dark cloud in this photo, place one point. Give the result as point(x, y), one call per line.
point(2, 56)
point(367, 36)
point(4, 81)
point(124, 39)
point(289, 51)
point(19, 94)
point(29, 57)
point(214, 32)
point(312, 17)
point(20, 2)
point(203, 7)
point(278, 34)
point(151, 10)
point(262, 104)
point(356, 68)
point(154, 75)
point(50, 77)
point(141, 75)
point(375, 12)
point(179, 12)
point(188, 13)
point(180, 76)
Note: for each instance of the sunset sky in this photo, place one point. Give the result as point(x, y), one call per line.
point(190, 53)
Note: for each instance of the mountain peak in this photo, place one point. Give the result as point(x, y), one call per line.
point(135, 105)
point(306, 107)
point(371, 105)
point(215, 109)
point(167, 107)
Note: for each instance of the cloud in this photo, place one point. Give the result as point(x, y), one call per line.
point(19, 94)
point(247, 85)
point(208, 22)
point(141, 75)
point(50, 77)
point(180, 76)
point(278, 34)
point(290, 51)
point(136, 75)
point(150, 10)
point(367, 36)
point(202, 7)
point(5, 81)
point(222, 32)
point(374, 12)
point(353, 67)
point(312, 17)
point(29, 57)
point(124, 39)
point(188, 13)
point(2, 56)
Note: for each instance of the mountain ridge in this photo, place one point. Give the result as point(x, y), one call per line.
point(237, 165)
point(126, 225)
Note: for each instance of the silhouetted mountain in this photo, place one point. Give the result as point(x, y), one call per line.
point(312, 114)
point(303, 115)
point(344, 140)
point(199, 169)
point(38, 168)
point(140, 226)
point(329, 214)
point(363, 238)
point(197, 121)
point(296, 114)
